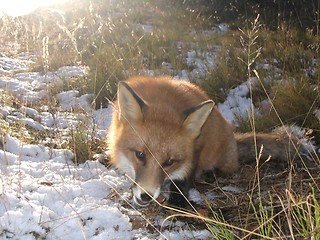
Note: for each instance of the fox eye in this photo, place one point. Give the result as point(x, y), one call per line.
point(168, 163)
point(140, 155)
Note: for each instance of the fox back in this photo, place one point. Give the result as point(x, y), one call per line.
point(167, 130)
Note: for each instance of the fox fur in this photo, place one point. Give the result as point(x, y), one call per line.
point(168, 130)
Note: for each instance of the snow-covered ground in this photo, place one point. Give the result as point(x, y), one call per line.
point(43, 194)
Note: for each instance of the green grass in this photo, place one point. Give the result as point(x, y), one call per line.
point(306, 214)
point(220, 231)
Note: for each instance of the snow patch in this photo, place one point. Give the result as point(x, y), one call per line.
point(231, 188)
point(237, 104)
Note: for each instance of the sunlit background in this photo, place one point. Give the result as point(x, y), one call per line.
point(22, 7)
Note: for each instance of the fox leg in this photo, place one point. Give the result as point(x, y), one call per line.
point(179, 193)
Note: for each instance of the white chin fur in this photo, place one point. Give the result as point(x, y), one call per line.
point(180, 174)
point(125, 165)
point(140, 203)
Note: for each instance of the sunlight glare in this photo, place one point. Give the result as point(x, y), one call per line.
point(22, 7)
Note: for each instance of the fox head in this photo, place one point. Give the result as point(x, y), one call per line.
point(153, 142)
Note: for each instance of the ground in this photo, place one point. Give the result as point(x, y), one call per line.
point(44, 194)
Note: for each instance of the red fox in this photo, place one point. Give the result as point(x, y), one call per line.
point(169, 130)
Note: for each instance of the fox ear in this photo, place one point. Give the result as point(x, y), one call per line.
point(129, 102)
point(196, 117)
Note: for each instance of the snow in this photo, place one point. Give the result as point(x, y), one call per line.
point(221, 28)
point(33, 124)
point(31, 86)
point(317, 113)
point(195, 196)
point(10, 65)
point(69, 100)
point(187, 234)
point(238, 103)
point(146, 28)
point(231, 188)
point(201, 62)
point(43, 193)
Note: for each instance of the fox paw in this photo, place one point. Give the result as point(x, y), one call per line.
point(178, 201)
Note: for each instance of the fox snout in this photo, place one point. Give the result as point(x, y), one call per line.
point(143, 198)
point(147, 185)
point(147, 179)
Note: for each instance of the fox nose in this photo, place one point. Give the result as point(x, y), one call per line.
point(143, 200)
point(145, 197)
